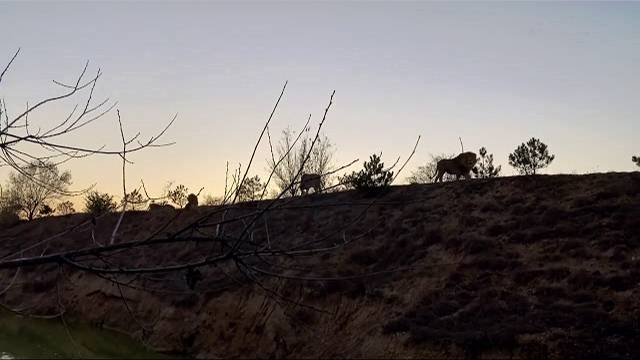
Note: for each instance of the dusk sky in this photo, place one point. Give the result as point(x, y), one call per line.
point(495, 74)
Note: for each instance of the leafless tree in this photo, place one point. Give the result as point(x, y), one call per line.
point(36, 184)
point(20, 136)
point(293, 153)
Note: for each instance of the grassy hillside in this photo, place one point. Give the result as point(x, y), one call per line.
point(530, 267)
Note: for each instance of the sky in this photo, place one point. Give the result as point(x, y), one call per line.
point(493, 73)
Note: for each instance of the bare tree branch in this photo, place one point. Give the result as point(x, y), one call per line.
point(9, 64)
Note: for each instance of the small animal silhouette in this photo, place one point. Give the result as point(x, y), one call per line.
point(192, 202)
point(309, 181)
point(160, 207)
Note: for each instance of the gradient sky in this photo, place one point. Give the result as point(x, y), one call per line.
point(494, 73)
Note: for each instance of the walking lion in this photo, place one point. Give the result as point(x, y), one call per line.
point(461, 165)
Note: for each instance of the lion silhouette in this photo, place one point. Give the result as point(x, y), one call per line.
point(461, 165)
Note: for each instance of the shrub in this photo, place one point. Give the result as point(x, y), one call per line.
point(373, 178)
point(178, 195)
point(485, 168)
point(636, 159)
point(99, 203)
point(8, 211)
point(251, 189)
point(530, 157)
point(210, 200)
point(134, 200)
point(46, 210)
point(65, 208)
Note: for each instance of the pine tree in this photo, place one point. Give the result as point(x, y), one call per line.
point(485, 165)
point(530, 157)
point(372, 178)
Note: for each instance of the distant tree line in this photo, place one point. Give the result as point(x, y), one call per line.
point(37, 189)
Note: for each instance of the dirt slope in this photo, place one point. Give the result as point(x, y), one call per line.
point(529, 267)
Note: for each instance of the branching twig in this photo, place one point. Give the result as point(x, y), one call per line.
point(408, 158)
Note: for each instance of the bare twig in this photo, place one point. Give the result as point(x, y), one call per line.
point(408, 158)
point(255, 148)
point(124, 183)
point(9, 64)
